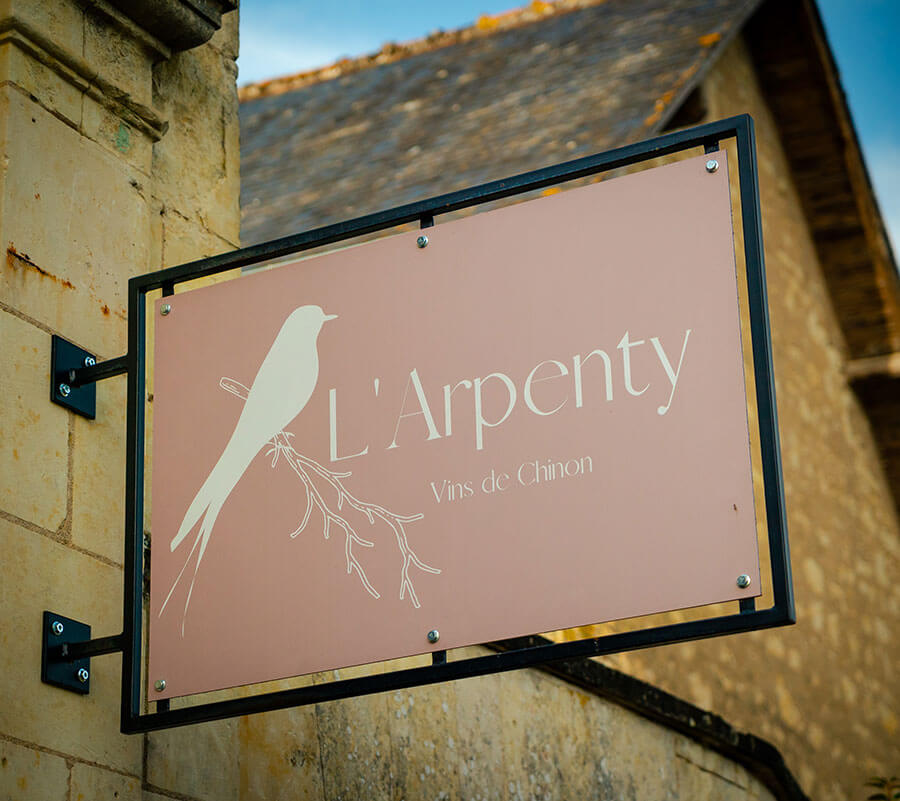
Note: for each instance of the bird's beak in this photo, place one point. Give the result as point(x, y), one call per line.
point(330, 317)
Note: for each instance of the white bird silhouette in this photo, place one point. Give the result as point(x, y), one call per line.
point(283, 385)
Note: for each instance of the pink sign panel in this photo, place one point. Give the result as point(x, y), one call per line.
point(537, 420)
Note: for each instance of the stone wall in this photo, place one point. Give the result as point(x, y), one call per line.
point(823, 691)
point(522, 735)
point(118, 157)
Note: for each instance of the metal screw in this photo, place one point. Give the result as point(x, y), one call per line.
point(57, 628)
point(83, 675)
point(89, 361)
point(712, 165)
point(434, 635)
point(65, 390)
point(743, 581)
point(160, 685)
point(422, 241)
point(165, 309)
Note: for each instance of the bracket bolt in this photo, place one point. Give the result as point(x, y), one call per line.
point(57, 628)
point(65, 390)
point(712, 165)
point(83, 675)
point(165, 309)
point(159, 685)
point(743, 581)
point(89, 361)
point(422, 241)
point(434, 635)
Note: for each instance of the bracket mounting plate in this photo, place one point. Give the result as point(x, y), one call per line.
point(65, 356)
point(54, 670)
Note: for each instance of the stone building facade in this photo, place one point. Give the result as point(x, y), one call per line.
point(551, 82)
point(119, 135)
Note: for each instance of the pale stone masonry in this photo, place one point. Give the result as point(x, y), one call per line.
point(119, 156)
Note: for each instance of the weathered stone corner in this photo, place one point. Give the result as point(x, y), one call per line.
point(180, 24)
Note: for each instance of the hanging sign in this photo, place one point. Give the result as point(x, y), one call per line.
point(526, 420)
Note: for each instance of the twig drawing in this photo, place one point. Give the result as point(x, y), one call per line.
point(306, 468)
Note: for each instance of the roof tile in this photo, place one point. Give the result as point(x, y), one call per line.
point(515, 92)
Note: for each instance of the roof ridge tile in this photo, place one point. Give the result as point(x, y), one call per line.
point(485, 25)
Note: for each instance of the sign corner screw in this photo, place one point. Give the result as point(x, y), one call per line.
point(743, 581)
point(422, 241)
point(83, 675)
point(434, 635)
point(160, 685)
point(57, 628)
point(65, 390)
point(165, 309)
point(89, 361)
point(712, 165)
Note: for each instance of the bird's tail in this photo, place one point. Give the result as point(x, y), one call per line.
point(202, 501)
point(207, 505)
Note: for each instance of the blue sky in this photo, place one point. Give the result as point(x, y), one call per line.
point(279, 37)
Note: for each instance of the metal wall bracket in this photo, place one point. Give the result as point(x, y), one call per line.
point(66, 651)
point(74, 373)
point(66, 357)
point(57, 635)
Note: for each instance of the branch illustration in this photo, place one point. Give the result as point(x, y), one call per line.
point(306, 469)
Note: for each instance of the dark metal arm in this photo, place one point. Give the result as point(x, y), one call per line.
point(97, 372)
point(73, 651)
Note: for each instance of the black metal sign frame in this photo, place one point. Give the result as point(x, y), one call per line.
point(130, 642)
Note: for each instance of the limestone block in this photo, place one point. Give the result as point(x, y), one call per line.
point(34, 432)
point(196, 761)
point(61, 22)
point(35, 26)
point(98, 470)
point(702, 759)
point(279, 756)
point(185, 240)
point(157, 212)
point(34, 78)
point(118, 57)
point(553, 739)
point(480, 737)
point(705, 774)
point(582, 757)
point(516, 720)
point(94, 784)
point(52, 576)
point(26, 774)
point(355, 745)
point(226, 40)
point(80, 227)
point(695, 783)
point(638, 752)
point(196, 165)
point(69, 51)
point(114, 134)
point(425, 759)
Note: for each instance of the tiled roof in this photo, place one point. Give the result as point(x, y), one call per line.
point(512, 93)
point(554, 81)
